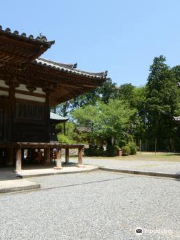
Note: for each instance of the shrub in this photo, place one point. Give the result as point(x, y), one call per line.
point(126, 150)
point(116, 147)
point(94, 151)
point(133, 148)
point(63, 139)
point(111, 151)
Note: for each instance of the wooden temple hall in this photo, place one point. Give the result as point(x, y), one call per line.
point(29, 86)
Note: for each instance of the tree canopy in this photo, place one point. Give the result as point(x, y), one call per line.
point(126, 113)
point(109, 122)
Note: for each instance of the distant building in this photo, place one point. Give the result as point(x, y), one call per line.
point(54, 120)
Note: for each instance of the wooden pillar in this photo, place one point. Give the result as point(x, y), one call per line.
point(47, 156)
point(12, 82)
point(67, 155)
point(47, 90)
point(10, 160)
point(58, 159)
point(18, 160)
point(80, 155)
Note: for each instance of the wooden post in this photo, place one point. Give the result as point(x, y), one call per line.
point(18, 160)
point(58, 159)
point(13, 83)
point(155, 147)
point(47, 156)
point(80, 155)
point(67, 155)
point(10, 160)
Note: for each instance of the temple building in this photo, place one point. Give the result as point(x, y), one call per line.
point(54, 120)
point(29, 86)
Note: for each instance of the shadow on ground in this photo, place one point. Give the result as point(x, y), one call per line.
point(7, 174)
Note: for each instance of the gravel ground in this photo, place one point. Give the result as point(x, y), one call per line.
point(149, 166)
point(93, 206)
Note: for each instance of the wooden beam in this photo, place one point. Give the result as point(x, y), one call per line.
point(67, 155)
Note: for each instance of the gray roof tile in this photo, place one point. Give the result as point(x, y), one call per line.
point(69, 68)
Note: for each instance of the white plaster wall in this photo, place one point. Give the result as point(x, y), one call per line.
point(22, 87)
point(31, 98)
point(3, 84)
point(39, 90)
point(4, 93)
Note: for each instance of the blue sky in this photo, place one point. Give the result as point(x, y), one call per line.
point(121, 36)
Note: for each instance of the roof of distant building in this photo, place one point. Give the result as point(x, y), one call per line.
point(56, 117)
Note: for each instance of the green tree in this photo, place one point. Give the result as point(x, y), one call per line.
point(108, 91)
point(63, 109)
point(105, 93)
point(126, 93)
point(162, 99)
point(139, 104)
point(109, 122)
point(135, 97)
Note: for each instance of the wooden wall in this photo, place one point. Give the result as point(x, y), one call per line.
point(30, 122)
point(24, 116)
point(4, 132)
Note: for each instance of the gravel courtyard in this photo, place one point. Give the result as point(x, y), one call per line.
point(96, 205)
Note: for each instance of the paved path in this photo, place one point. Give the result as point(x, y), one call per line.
point(51, 171)
point(17, 185)
point(7, 174)
point(9, 181)
point(93, 206)
point(138, 165)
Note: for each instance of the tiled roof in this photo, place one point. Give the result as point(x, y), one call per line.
point(54, 116)
point(69, 68)
point(20, 55)
point(55, 64)
point(40, 39)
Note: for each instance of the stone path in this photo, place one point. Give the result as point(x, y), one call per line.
point(17, 185)
point(9, 181)
point(51, 171)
